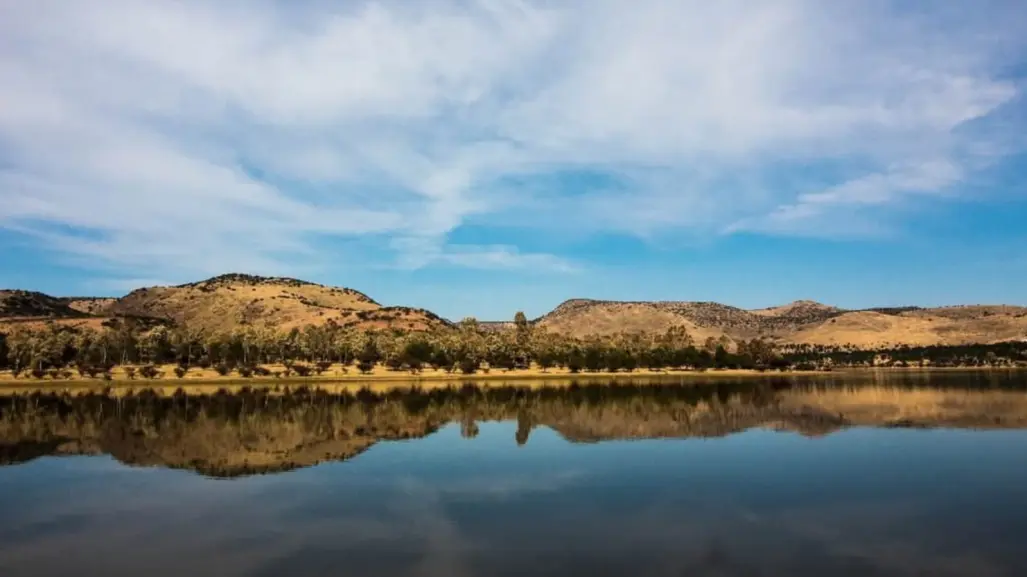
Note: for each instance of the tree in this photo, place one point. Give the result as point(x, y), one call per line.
point(4, 352)
point(546, 360)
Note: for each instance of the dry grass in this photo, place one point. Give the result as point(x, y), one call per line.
point(611, 318)
point(91, 306)
point(799, 322)
point(340, 375)
point(948, 326)
point(225, 305)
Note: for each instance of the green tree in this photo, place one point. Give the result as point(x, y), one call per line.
point(4, 352)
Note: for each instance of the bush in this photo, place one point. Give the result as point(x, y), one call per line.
point(365, 367)
point(468, 366)
point(66, 374)
point(180, 371)
point(149, 372)
point(244, 372)
point(261, 371)
point(53, 374)
point(302, 370)
point(322, 366)
point(107, 376)
point(130, 372)
point(222, 369)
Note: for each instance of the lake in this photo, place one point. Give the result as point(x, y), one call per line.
point(904, 474)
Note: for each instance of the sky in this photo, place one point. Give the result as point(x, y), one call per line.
point(483, 157)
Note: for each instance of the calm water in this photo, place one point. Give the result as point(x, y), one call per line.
point(918, 476)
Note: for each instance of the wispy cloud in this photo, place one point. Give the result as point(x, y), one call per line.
point(177, 138)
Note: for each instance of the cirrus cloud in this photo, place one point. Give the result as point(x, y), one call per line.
point(171, 139)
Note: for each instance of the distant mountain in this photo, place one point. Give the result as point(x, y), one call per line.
point(232, 300)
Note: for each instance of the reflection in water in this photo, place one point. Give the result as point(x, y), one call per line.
point(251, 431)
point(528, 480)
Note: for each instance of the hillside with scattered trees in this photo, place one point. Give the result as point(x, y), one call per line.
point(251, 326)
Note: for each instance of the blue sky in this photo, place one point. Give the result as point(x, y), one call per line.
point(477, 158)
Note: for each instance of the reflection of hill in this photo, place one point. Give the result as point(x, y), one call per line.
point(252, 432)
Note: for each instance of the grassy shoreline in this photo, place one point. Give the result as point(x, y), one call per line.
point(379, 375)
point(208, 379)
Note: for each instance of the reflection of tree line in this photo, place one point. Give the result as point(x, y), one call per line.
point(261, 430)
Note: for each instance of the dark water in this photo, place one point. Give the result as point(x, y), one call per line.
point(923, 476)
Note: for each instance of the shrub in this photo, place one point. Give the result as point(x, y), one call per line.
point(302, 370)
point(365, 367)
point(130, 372)
point(149, 372)
point(53, 373)
point(575, 363)
point(244, 372)
point(66, 374)
point(222, 369)
point(468, 366)
point(180, 371)
point(261, 371)
point(322, 366)
point(107, 376)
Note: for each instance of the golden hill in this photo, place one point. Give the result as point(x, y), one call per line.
point(224, 303)
point(806, 322)
point(228, 301)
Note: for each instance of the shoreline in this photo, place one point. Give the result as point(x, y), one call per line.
point(386, 379)
point(382, 376)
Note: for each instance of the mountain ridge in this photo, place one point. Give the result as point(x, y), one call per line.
point(228, 301)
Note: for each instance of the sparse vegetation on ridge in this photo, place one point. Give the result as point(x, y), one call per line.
point(251, 326)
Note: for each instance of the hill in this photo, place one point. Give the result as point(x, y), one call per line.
point(223, 303)
point(800, 322)
point(229, 301)
point(17, 304)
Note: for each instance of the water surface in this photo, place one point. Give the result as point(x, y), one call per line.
point(912, 475)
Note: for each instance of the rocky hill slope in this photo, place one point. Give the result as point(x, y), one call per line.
point(232, 300)
point(227, 302)
point(28, 304)
point(806, 322)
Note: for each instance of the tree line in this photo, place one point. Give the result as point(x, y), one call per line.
point(1004, 354)
point(55, 350)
